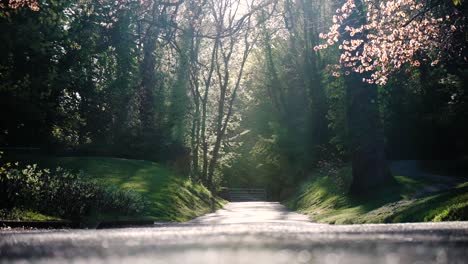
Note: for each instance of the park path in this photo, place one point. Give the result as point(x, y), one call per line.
point(251, 212)
point(249, 232)
point(437, 183)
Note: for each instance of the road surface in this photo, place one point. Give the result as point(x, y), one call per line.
point(251, 232)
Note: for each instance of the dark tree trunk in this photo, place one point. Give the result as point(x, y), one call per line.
point(317, 99)
point(204, 101)
point(369, 164)
point(148, 83)
point(367, 143)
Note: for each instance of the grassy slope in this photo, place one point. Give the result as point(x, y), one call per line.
point(171, 198)
point(325, 200)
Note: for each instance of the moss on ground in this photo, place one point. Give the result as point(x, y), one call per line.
point(324, 198)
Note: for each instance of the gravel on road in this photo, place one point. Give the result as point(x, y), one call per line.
point(249, 232)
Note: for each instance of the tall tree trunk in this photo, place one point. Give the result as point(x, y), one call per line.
point(203, 135)
point(179, 98)
point(148, 81)
point(369, 165)
point(222, 125)
point(223, 85)
point(195, 140)
point(275, 86)
point(195, 132)
point(318, 127)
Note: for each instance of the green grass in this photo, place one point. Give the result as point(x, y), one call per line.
point(170, 197)
point(324, 198)
point(26, 215)
point(145, 177)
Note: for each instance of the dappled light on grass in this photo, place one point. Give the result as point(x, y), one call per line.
point(142, 176)
point(166, 196)
point(408, 199)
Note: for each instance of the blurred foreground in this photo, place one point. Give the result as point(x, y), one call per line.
point(250, 232)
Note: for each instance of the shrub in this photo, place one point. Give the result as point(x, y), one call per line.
point(339, 173)
point(455, 212)
point(61, 193)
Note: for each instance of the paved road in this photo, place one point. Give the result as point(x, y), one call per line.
point(254, 232)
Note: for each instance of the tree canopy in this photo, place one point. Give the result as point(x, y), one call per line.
point(238, 92)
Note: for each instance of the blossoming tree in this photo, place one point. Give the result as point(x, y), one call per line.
point(390, 34)
point(376, 39)
point(32, 4)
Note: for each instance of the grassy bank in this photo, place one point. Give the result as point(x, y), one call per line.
point(168, 197)
point(324, 197)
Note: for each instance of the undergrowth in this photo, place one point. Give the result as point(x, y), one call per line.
point(325, 198)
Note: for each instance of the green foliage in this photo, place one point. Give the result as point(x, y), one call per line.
point(179, 99)
point(422, 113)
point(444, 206)
point(25, 215)
point(181, 200)
point(455, 212)
point(61, 193)
point(169, 198)
point(95, 78)
point(129, 184)
point(337, 117)
point(144, 177)
point(70, 80)
point(324, 197)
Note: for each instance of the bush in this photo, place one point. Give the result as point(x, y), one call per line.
point(455, 212)
point(338, 172)
point(61, 193)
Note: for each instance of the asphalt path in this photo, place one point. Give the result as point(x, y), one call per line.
point(250, 232)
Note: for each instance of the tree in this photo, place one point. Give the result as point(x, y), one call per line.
point(221, 41)
point(378, 39)
point(283, 133)
point(13, 4)
point(393, 33)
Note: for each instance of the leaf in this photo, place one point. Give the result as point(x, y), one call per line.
point(457, 2)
